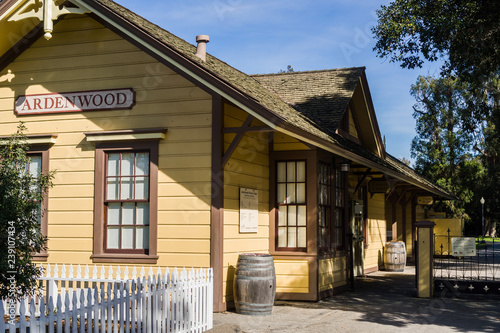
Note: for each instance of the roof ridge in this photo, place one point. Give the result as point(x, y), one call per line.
point(310, 71)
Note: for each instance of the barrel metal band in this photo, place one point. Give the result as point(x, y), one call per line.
point(255, 277)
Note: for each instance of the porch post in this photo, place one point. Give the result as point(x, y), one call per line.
point(424, 262)
point(217, 213)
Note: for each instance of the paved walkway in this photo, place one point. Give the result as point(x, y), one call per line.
point(382, 302)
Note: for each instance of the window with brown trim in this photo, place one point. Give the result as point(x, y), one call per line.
point(324, 206)
point(126, 202)
point(291, 200)
point(38, 163)
point(338, 222)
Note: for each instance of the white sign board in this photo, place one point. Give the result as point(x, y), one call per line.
point(99, 100)
point(463, 246)
point(249, 210)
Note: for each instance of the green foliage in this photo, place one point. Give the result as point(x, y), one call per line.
point(289, 69)
point(20, 234)
point(489, 147)
point(458, 143)
point(458, 121)
point(443, 149)
point(466, 34)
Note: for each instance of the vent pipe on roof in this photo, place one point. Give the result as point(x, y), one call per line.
point(201, 49)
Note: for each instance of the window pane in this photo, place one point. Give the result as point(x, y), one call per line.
point(34, 188)
point(127, 190)
point(290, 193)
point(301, 193)
point(142, 210)
point(35, 165)
point(292, 237)
point(142, 238)
point(128, 213)
point(301, 171)
point(113, 238)
point(292, 215)
point(127, 168)
point(290, 172)
point(142, 164)
point(301, 215)
point(302, 242)
point(322, 237)
point(282, 237)
point(281, 170)
point(127, 238)
point(114, 213)
point(142, 188)
point(39, 214)
point(282, 216)
point(112, 188)
point(113, 164)
point(338, 237)
point(281, 193)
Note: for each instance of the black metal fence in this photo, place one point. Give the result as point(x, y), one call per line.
point(468, 274)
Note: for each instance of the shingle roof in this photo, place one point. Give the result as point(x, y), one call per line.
point(222, 70)
point(322, 96)
point(316, 110)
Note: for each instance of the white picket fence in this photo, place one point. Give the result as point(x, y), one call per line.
point(156, 303)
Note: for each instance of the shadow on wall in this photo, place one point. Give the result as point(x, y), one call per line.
point(229, 286)
point(380, 259)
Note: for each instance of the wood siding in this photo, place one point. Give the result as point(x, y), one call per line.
point(331, 273)
point(284, 142)
point(376, 233)
point(248, 167)
point(352, 125)
point(292, 276)
point(83, 55)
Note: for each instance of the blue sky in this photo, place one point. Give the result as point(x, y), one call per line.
point(264, 36)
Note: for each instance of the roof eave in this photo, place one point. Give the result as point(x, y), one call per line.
point(342, 152)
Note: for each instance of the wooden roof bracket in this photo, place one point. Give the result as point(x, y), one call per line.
point(401, 197)
point(360, 182)
point(50, 12)
point(392, 186)
point(240, 132)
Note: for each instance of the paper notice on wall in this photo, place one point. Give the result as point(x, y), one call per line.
point(249, 210)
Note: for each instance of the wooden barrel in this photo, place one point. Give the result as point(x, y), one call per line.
point(395, 256)
point(254, 286)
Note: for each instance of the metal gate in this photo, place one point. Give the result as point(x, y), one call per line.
point(479, 274)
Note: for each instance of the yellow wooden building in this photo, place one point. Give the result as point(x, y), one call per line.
point(167, 156)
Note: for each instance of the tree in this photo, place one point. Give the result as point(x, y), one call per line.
point(464, 33)
point(443, 147)
point(21, 194)
point(488, 146)
point(289, 69)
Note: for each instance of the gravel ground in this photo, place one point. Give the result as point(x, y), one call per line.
point(382, 302)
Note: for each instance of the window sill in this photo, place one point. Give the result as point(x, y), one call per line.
point(40, 257)
point(290, 253)
point(124, 258)
point(332, 254)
